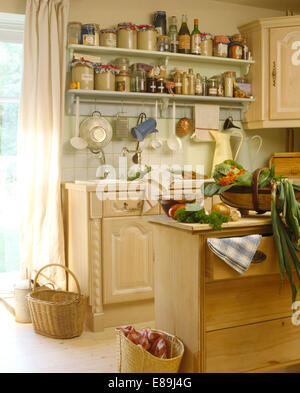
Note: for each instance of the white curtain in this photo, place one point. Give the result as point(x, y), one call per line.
point(40, 133)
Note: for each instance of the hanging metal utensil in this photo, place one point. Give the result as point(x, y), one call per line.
point(136, 157)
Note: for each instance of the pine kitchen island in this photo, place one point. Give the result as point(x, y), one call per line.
point(228, 322)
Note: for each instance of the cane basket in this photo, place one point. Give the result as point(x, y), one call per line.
point(134, 359)
point(251, 198)
point(55, 313)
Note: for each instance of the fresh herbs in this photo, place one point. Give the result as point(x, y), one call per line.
point(193, 214)
point(230, 174)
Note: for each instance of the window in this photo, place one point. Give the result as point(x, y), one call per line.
point(11, 59)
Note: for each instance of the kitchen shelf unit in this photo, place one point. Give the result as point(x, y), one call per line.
point(209, 65)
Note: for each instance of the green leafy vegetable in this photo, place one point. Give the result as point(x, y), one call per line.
point(215, 219)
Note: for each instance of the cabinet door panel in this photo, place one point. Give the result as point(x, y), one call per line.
point(127, 259)
point(285, 73)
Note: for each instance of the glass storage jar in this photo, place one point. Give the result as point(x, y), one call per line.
point(235, 50)
point(108, 37)
point(127, 36)
point(212, 87)
point(220, 85)
point(146, 37)
point(74, 33)
point(138, 81)
point(151, 84)
point(221, 45)
point(105, 77)
point(83, 72)
point(163, 43)
point(90, 34)
point(123, 81)
point(160, 86)
point(206, 44)
point(178, 83)
point(160, 22)
point(229, 79)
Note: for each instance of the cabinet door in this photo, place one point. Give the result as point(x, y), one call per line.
point(127, 259)
point(285, 73)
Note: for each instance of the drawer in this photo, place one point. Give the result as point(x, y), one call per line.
point(240, 302)
point(123, 207)
point(251, 347)
point(217, 269)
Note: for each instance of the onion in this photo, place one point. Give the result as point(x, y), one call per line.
point(222, 208)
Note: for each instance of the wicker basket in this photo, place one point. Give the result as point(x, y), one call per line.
point(57, 314)
point(250, 198)
point(134, 359)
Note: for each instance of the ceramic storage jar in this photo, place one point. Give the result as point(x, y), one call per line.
point(127, 36)
point(146, 37)
point(105, 77)
point(83, 73)
point(108, 37)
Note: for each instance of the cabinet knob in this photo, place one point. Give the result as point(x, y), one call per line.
point(274, 74)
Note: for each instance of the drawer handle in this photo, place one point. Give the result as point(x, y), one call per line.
point(131, 209)
point(274, 74)
point(259, 257)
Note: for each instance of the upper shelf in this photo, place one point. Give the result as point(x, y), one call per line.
point(166, 56)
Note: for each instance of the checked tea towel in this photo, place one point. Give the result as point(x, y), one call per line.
point(237, 252)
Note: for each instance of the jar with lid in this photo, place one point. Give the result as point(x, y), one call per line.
point(163, 43)
point(83, 72)
point(243, 40)
point(185, 84)
point(212, 87)
point(105, 77)
point(123, 81)
point(74, 33)
point(127, 36)
point(90, 34)
point(160, 22)
point(108, 37)
point(146, 37)
point(221, 45)
point(235, 50)
point(122, 64)
point(138, 81)
point(198, 85)
point(151, 84)
point(178, 83)
point(229, 79)
point(220, 85)
point(206, 44)
point(160, 86)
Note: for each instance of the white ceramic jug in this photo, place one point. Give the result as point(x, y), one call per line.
point(245, 156)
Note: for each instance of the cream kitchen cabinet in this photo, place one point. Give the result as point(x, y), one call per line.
point(109, 248)
point(275, 76)
point(127, 260)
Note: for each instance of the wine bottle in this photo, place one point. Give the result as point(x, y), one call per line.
point(184, 38)
point(196, 39)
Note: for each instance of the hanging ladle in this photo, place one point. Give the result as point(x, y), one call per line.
point(76, 141)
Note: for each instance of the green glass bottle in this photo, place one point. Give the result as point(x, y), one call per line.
point(184, 38)
point(196, 39)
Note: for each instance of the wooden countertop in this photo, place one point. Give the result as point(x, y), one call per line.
point(243, 222)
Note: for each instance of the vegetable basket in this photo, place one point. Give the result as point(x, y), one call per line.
point(135, 359)
point(251, 198)
point(57, 314)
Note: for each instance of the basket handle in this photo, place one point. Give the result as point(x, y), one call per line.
point(62, 266)
point(255, 178)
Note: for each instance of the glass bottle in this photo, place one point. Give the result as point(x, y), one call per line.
point(185, 83)
point(184, 38)
point(198, 85)
point(196, 39)
point(212, 87)
point(160, 22)
point(178, 83)
point(173, 34)
point(205, 86)
point(191, 78)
